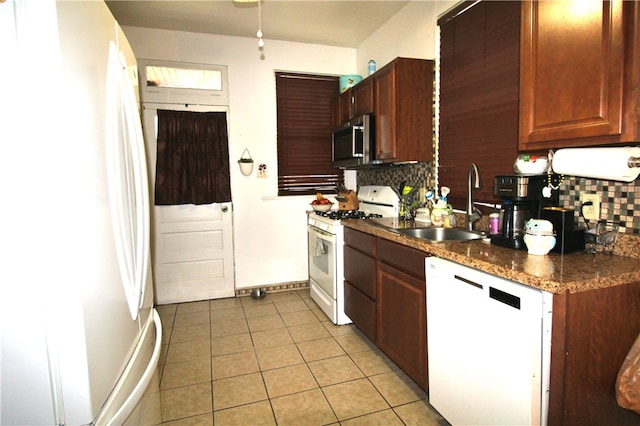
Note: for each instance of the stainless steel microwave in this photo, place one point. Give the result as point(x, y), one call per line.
point(354, 142)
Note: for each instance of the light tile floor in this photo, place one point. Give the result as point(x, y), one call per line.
point(278, 361)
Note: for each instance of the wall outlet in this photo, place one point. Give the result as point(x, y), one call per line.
point(590, 212)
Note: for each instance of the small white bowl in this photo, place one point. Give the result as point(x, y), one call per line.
point(531, 165)
point(539, 244)
point(321, 207)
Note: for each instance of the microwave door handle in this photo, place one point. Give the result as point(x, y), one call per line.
point(354, 137)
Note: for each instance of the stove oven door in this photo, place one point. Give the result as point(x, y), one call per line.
point(322, 260)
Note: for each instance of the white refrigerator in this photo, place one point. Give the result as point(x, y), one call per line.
point(80, 337)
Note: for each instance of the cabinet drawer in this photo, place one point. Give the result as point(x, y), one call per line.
point(364, 242)
point(359, 270)
point(405, 258)
point(361, 310)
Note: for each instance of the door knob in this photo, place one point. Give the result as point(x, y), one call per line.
point(224, 209)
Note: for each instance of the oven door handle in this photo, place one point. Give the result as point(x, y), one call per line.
point(320, 233)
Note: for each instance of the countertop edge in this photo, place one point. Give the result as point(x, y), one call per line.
point(554, 272)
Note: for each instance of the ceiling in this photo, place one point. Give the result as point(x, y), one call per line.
point(343, 23)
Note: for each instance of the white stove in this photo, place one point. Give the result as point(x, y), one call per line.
point(326, 241)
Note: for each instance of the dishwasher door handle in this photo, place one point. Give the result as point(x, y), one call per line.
point(504, 297)
point(467, 281)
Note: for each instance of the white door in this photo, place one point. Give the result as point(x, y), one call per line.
point(192, 250)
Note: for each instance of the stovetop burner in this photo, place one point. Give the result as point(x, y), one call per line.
point(348, 214)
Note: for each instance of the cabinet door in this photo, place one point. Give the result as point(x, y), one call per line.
point(346, 106)
point(363, 97)
point(336, 117)
point(571, 75)
point(402, 321)
point(385, 101)
point(403, 99)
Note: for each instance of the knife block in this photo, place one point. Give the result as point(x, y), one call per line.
point(349, 201)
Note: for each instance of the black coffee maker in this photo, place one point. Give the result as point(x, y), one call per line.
point(522, 200)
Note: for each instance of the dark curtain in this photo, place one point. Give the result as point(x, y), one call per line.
point(193, 158)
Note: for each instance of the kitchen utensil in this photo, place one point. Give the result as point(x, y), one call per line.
point(400, 189)
point(444, 191)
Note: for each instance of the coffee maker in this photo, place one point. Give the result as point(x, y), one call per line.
point(521, 200)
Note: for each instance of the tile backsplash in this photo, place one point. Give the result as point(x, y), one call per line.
point(415, 175)
point(619, 201)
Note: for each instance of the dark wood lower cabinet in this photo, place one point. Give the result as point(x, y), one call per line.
point(592, 331)
point(385, 297)
point(361, 310)
point(592, 334)
point(402, 321)
point(360, 281)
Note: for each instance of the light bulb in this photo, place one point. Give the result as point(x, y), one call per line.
point(259, 34)
point(260, 42)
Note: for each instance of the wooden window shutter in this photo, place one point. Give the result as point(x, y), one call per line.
point(304, 108)
point(479, 81)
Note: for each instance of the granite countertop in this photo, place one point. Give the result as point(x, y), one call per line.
point(554, 272)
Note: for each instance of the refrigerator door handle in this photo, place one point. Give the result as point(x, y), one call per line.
point(127, 407)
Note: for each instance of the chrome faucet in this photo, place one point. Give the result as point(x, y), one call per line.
point(473, 214)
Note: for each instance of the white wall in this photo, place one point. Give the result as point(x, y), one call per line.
point(270, 232)
point(410, 33)
point(270, 241)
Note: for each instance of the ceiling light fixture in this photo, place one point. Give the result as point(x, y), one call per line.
point(259, 33)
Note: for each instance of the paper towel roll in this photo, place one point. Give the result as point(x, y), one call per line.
point(598, 163)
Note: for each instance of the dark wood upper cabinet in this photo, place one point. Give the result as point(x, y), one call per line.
point(400, 95)
point(579, 74)
point(403, 93)
point(363, 97)
point(343, 107)
point(353, 102)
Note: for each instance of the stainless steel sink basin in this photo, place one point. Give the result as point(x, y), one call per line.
point(438, 235)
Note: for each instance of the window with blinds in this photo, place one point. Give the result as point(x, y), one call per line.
point(304, 133)
point(479, 93)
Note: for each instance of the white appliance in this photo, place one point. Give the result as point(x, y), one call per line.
point(489, 345)
point(326, 245)
point(80, 337)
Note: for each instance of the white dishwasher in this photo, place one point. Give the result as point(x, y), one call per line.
point(489, 347)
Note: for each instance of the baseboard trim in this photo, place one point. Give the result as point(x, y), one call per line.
point(273, 288)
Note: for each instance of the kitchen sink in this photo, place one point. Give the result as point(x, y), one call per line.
point(438, 235)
